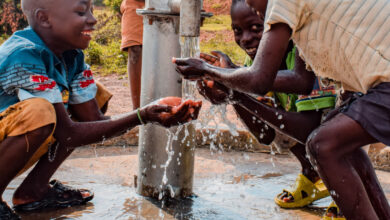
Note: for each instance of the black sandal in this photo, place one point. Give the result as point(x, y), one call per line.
point(58, 196)
point(6, 213)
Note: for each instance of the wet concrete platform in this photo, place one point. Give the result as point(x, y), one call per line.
point(227, 185)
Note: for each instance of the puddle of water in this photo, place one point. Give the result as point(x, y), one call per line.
point(226, 187)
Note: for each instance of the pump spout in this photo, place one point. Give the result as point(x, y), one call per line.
point(190, 18)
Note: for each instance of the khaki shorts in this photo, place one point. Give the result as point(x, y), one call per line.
point(35, 113)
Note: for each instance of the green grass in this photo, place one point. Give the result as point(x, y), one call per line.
point(104, 54)
point(217, 23)
point(3, 38)
point(236, 54)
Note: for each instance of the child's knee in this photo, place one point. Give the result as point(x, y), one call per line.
point(39, 112)
point(320, 147)
point(27, 116)
point(135, 53)
point(44, 132)
point(42, 109)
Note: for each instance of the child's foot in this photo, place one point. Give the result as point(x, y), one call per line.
point(7, 213)
point(310, 175)
point(57, 196)
point(333, 213)
point(303, 193)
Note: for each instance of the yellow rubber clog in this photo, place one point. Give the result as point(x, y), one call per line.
point(329, 216)
point(304, 193)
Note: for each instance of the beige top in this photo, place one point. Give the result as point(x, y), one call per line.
point(345, 40)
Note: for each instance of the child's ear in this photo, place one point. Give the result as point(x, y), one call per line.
point(42, 18)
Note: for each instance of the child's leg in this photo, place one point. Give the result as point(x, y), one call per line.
point(16, 151)
point(299, 151)
point(134, 67)
point(36, 184)
point(329, 147)
point(24, 128)
point(362, 164)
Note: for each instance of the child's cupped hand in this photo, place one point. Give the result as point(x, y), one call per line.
point(171, 111)
point(218, 58)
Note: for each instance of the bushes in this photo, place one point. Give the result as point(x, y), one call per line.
point(115, 5)
point(103, 53)
point(11, 17)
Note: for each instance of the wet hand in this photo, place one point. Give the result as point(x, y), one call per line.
point(190, 68)
point(218, 58)
point(171, 111)
point(213, 91)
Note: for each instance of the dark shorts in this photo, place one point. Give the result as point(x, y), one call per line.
point(371, 111)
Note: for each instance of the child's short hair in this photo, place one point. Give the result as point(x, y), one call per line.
point(29, 8)
point(234, 2)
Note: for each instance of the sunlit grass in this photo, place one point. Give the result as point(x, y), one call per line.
point(236, 54)
point(217, 23)
point(104, 54)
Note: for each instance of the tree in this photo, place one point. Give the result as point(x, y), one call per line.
point(11, 17)
point(115, 5)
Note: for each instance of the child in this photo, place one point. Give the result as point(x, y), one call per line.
point(132, 29)
point(343, 41)
point(43, 79)
point(248, 28)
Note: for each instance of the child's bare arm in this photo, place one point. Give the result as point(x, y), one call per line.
point(298, 81)
point(87, 111)
point(73, 134)
point(258, 78)
point(263, 75)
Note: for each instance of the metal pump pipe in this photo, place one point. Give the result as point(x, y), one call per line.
point(190, 18)
point(163, 170)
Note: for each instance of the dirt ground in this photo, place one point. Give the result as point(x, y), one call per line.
point(217, 6)
point(119, 87)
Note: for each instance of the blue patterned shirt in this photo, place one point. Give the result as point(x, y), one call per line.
point(28, 68)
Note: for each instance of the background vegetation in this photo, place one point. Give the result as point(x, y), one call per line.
point(11, 17)
point(104, 53)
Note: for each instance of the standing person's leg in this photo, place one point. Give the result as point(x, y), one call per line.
point(134, 69)
point(132, 37)
point(330, 148)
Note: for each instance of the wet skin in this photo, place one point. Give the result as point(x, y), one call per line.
point(334, 147)
point(248, 28)
point(134, 70)
point(66, 25)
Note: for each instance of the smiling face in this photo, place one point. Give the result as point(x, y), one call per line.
point(71, 24)
point(247, 27)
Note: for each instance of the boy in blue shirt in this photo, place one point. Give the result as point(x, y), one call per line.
point(43, 79)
